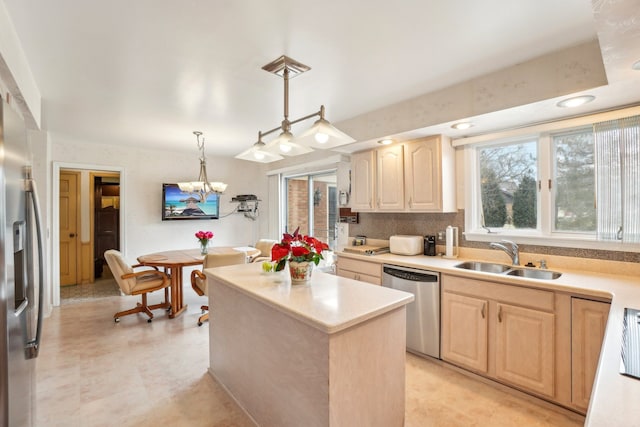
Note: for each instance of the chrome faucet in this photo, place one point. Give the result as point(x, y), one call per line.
point(512, 251)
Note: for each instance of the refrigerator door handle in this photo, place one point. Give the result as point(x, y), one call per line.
point(24, 304)
point(33, 346)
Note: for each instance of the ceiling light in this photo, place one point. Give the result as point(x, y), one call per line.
point(576, 101)
point(385, 141)
point(202, 188)
point(257, 153)
point(462, 125)
point(321, 135)
point(636, 65)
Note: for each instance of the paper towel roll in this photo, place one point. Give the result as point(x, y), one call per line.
point(449, 241)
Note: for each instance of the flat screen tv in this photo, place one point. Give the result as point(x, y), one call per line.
point(177, 205)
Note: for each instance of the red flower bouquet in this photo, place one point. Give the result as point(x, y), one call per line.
point(204, 236)
point(298, 248)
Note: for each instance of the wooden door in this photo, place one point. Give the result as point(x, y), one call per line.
point(588, 322)
point(524, 348)
point(423, 185)
point(464, 331)
point(390, 178)
point(362, 181)
point(69, 228)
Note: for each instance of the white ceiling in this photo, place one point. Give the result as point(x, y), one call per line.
point(149, 72)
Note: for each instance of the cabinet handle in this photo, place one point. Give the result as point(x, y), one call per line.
point(410, 202)
point(499, 313)
point(370, 203)
point(378, 203)
point(484, 307)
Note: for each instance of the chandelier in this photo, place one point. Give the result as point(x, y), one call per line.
point(322, 135)
point(202, 188)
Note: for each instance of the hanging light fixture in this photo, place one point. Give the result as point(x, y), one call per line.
point(202, 188)
point(322, 134)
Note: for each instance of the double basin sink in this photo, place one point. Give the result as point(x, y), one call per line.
point(509, 270)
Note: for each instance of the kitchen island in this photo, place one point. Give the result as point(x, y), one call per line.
point(328, 353)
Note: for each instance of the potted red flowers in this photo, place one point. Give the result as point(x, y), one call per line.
point(203, 237)
point(302, 252)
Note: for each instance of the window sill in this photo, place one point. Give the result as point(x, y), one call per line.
point(562, 241)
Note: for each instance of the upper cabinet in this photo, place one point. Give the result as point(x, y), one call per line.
point(415, 176)
point(363, 166)
point(390, 179)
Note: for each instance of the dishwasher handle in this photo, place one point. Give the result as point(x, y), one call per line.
point(410, 275)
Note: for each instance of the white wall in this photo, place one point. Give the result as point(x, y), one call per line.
point(141, 200)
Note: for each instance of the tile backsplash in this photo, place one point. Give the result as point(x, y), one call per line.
point(383, 225)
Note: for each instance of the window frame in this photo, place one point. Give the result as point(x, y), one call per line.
point(544, 235)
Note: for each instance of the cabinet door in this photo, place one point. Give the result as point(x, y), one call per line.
point(588, 322)
point(524, 348)
point(390, 179)
point(464, 331)
point(362, 181)
point(423, 187)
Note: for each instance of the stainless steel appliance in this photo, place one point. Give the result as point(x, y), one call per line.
point(21, 274)
point(423, 314)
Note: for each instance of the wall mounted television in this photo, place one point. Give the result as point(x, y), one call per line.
point(177, 205)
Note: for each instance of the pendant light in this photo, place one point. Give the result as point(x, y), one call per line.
point(202, 188)
point(322, 135)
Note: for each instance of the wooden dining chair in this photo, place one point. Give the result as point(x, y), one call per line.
point(199, 280)
point(137, 283)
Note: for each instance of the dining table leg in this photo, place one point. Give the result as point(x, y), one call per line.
point(177, 304)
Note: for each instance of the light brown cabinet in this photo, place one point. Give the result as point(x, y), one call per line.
point(415, 176)
point(524, 348)
point(363, 166)
point(588, 320)
point(464, 331)
point(501, 331)
point(364, 271)
point(429, 173)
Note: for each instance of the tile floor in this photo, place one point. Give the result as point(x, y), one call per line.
point(93, 372)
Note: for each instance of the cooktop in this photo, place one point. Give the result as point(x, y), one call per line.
point(630, 364)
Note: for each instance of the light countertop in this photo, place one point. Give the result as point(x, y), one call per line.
point(615, 397)
point(329, 303)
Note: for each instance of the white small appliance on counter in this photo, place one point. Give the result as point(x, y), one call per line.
point(406, 245)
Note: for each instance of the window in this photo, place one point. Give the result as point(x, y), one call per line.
point(508, 175)
point(558, 187)
point(574, 177)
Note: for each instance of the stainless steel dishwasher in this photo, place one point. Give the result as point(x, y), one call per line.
point(423, 314)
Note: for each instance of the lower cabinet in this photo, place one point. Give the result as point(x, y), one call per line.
point(501, 331)
point(524, 348)
point(464, 331)
point(539, 341)
point(588, 320)
point(364, 271)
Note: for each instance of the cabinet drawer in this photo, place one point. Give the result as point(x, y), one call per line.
point(357, 266)
point(359, 276)
point(507, 293)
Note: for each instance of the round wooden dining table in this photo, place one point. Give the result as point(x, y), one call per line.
point(174, 261)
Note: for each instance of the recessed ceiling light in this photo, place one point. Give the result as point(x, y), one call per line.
point(576, 101)
point(385, 141)
point(462, 125)
point(636, 65)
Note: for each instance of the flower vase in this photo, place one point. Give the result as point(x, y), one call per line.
point(300, 272)
point(204, 248)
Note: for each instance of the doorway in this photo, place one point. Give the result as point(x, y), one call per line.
point(99, 197)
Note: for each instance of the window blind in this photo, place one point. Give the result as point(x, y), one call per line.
point(617, 147)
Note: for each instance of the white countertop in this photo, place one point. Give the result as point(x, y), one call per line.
point(615, 398)
point(329, 303)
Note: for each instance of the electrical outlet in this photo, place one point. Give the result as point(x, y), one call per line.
point(440, 235)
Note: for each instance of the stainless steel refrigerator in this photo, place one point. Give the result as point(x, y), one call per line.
point(21, 274)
